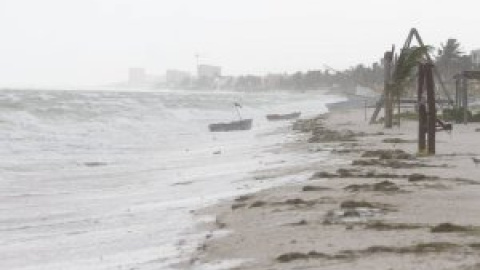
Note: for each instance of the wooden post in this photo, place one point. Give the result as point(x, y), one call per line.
point(387, 62)
point(388, 106)
point(388, 58)
point(422, 111)
point(457, 92)
point(465, 100)
point(432, 110)
point(399, 112)
point(378, 107)
point(365, 101)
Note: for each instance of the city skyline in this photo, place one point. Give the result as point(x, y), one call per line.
point(89, 42)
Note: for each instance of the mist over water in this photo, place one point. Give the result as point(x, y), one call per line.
point(106, 180)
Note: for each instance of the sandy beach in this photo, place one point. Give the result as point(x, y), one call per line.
point(380, 207)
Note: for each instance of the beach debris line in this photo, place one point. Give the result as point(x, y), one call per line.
point(354, 174)
point(321, 134)
point(314, 188)
point(393, 163)
point(302, 222)
point(397, 140)
point(476, 161)
point(387, 154)
point(326, 135)
point(417, 177)
point(95, 164)
point(451, 228)
point(355, 212)
point(385, 186)
point(420, 248)
point(308, 125)
point(382, 226)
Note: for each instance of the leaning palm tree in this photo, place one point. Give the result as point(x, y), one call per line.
point(404, 73)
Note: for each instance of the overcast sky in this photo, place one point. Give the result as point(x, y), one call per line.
point(86, 42)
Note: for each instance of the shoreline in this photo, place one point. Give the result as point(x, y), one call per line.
point(381, 208)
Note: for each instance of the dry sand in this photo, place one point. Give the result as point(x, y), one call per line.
point(393, 210)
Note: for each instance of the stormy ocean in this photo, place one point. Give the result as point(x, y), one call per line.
point(108, 179)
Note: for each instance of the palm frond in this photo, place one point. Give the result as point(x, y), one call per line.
point(406, 64)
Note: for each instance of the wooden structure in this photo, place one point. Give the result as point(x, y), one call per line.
point(388, 71)
point(461, 91)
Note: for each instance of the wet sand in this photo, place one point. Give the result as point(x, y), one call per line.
point(383, 207)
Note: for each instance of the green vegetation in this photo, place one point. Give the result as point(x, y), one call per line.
point(457, 115)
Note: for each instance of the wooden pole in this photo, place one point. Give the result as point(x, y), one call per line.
point(457, 93)
point(465, 100)
point(388, 89)
point(399, 112)
point(365, 103)
point(432, 110)
point(378, 107)
point(382, 101)
point(458, 98)
point(422, 111)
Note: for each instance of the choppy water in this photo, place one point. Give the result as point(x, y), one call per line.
point(106, 180)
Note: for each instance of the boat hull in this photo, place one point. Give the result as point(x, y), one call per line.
point(280, 117)
point(245, 124)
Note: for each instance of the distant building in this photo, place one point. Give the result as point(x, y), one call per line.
point(476, 58)
point(137, 76)
point(272, 81)
point(177, 77)
point(209, 72)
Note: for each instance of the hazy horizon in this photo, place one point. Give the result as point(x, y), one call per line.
point(94, 42)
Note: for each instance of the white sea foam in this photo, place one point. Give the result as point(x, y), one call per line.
point(106, 180)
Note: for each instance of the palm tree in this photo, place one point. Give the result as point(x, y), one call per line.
point(449, 58)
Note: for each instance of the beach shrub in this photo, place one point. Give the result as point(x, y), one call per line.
point(456, 114)
point(448, 228)
point(396, 140)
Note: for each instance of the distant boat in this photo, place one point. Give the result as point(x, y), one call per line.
point(279, 117)
point(244, 124)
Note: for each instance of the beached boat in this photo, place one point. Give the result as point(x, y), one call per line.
point(288, 116)
point(245, 124)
